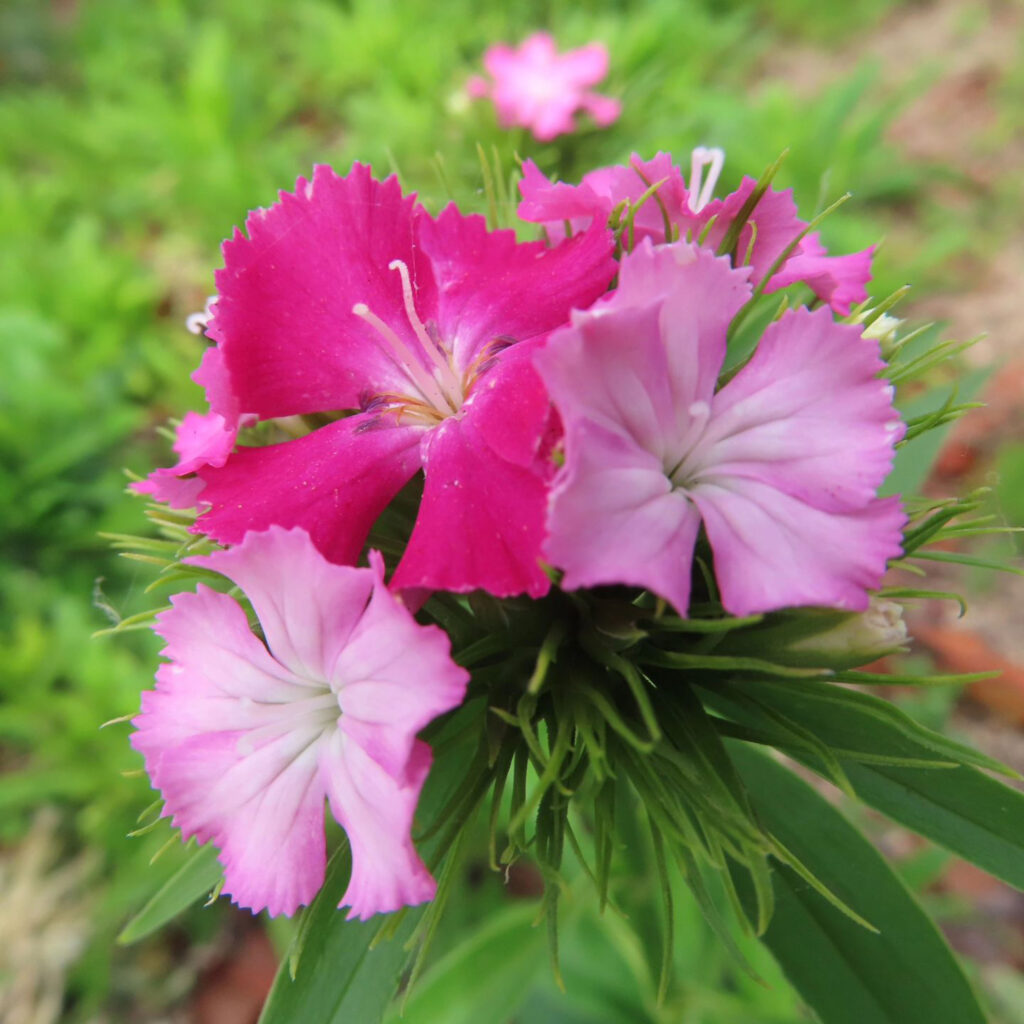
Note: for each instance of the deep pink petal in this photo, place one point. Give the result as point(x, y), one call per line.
point(774, 551)
point(307, 606)
point(808, 415)
point(333, 483)
point(491, 287)
point(376, 811)
point(615, 518)
point(481, 519)
point(284, 312)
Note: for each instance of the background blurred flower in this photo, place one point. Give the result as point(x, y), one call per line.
point(534, 86)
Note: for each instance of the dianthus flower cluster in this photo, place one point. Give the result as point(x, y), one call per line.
point(570, 415)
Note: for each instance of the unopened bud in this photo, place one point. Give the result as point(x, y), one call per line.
point(883, 329)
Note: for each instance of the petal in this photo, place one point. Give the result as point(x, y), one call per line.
point(491, 287)
point(615, 518)
point(333, 483)
point(229, 741)
point(376, 811)
point(481, 520)
point(284, 313)
point(840, 281)
point(393, 677)
point(807, 415)
point(774, 551)
point(307, 606)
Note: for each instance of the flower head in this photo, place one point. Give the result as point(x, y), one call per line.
point(678, 211)
point(534, 86)
point(347, 297)
point(245, 738)
point(781, 465)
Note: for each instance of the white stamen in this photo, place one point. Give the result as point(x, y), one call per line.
point(196, 322)
point(407, 360)
point(443, 373)
point(713, 159)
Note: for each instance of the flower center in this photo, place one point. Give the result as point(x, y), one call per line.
point(683, 469)
point(436, 391)
point(701, 192)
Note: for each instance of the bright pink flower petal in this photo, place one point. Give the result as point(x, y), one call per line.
point(774, 551)
point(841, 281)
point(808, 415)
point(494, 289)
point(307, 607)
point(600, 191)
point(284, 312)
point(615, 518)
point(333, 482)
point(377, 812)
point(484, 483)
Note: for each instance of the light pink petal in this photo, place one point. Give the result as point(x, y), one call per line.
point(164, 485)
point(477, 87)
point(808, 415)
point(584, 66)
point(615, 518)
point(841, 281)
point(774, 551)
point(213, 377)
point(393, 676)
point(603, 109)
point(307, 606)
point(376, 811)
point(493, 288)
point(481, 520)
point(284, 313)
point(229, 739)
point(333, 483)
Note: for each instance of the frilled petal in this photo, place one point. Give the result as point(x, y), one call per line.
point(615, 518)
point(808, 415)
point(376, 811)
point(333, 483)
point(492, 288)
point(841, 281)
point(307, 607)
point(554, 203)
point(284, 313)
point(393, 676)
point(481, 520)
point(229, 740)
point(774, 551)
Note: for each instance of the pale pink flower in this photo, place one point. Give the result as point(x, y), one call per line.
point(781, 465)
point(245, 737)
point(534, 86)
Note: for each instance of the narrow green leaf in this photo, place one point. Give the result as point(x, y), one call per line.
point(849, 975)
point(193, 880)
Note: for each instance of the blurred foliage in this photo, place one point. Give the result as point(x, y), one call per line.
point(132, 137)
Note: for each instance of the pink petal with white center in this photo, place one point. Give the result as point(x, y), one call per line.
point(377, 811)
point(284, 310)
point(772, 550)
point(492, 289)
point(226, 737)
point(481, 520)
point(807, 415)
point(841, 281)
point(393, 676)
point(615, 518)
point(553, 203)
point(333, 483)
point(307, 607)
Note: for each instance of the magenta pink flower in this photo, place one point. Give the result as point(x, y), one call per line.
point(534, 86)
point(348, 297)
point(245, 738)
point(694, 214)
point(782, 465)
